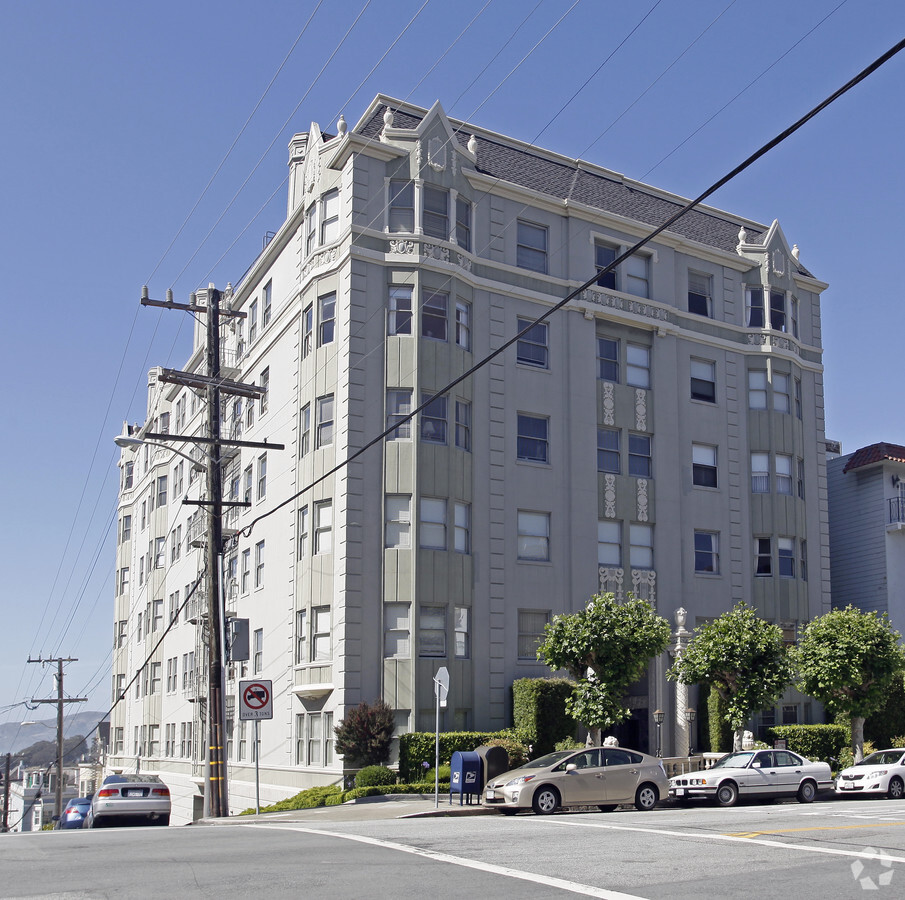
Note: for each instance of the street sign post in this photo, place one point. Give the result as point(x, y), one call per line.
point(441, 690)
point(256, 703)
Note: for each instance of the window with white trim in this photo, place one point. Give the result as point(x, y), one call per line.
point(637, 275)
point(608, 359)
point(783, 468)
point(321, 635)
point(432, 531)
point(781, 398)
point(463, 223)
point(703, 465)
point(434, 308)
point(640, 461)
point(461, 633)
point(700, 294)
point(786, 550)
point(401, 217)
point(431, 631)
point(531, 347)
point(463, 324)
point(703, 380)
point(324, 425)
point(397, 642)
point(763, 556)
point(609, 543)
point(757, 389)
point(604, 254)
point(323, 527)
point(266, 304)
point(707, 552)
point(259, 564)
point(608, 450)
point(531, 246)
point(399, 317)
point(398, 521)
point(302, 538)
point(637, 365)
point(463, 424)
point(534, 536)
point(462, 527)
point(329, 217)
point(399, 405)
point(433, 419)
point(531, 442)
point(760, 473)
point(326, 318)
point(531, 625)
point(641, 546)
point(435, 212)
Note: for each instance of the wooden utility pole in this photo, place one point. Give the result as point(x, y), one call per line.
point(60, 702)
point(5, 826)
point(211, 382)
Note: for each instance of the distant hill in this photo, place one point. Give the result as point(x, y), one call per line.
point(15, 737)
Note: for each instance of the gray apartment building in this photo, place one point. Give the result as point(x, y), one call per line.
point(663, 434)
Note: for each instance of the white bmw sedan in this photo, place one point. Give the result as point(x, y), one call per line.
point(755, 774)
point(882, 772)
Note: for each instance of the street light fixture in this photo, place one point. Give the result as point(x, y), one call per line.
point(690, 714)
point(659, 716)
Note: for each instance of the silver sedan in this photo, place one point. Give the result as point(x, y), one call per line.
point(596, 776)
point(755, 774)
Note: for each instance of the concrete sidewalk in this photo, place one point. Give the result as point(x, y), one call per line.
point(390, 806)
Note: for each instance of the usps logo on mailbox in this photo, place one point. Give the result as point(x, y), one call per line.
point(456, 777)
point(471, 777)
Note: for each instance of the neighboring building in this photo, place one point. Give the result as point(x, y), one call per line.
point(32, 796)
point(867, 530)
point(663, 434)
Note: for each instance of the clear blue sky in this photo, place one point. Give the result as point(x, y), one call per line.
point(116, 116)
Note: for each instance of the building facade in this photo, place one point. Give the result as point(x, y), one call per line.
point(660, 435)
point(867, 530)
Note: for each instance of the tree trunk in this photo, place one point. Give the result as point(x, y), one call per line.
point(858, 738)
point(737, 737)
point(593, 739)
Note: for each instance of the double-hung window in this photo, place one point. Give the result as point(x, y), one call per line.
point(531, 625)
point(778, 310)
point(754, 307)
point(399, 405)
point(703, 465)
point(760, 473)
point(324, 433)
point(398, 521)
point(707, 552)
point(703, 380)
point(307, 330)
point(323, 527)
point(783, 465)
point(397, 631)
point(266, 304)
point(463, 223)
point(531, 247)
point(310, 230)
point(637, 276)
point(305, 429)
point(641, 546)
point(609, 543)
point(401, 207)
point(259, 564)
point(399, 318)
point(433, 524)
point(700, 294)
point(432, 631)
point(463, 325)
point(781, 396)
point(531, 348)
point(303, 527)
point(434, 315)
point(463, 424)
point(262, 476)
point(253, 322)
point(786, 549)
point(533, 535)
point(461, 633)
point(637, 366)
point(435, 212)
point(604, 254)
point(330, 217)
point(757, 389)
point(321, 638)
point(433, 419)
point(763, 556)
point(607, 359)
point(608, 450)
point(326, 318)
point(532, 442)
point(639, 456)
point(462, 527)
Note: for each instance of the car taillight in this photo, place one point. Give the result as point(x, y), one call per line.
point(70, 809)
point(108, 792)
point(161, 792)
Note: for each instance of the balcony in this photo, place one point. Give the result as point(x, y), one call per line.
point(895, 519)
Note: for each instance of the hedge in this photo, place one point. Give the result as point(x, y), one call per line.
point(813, 741)
point(539, 712)
point(417, 747)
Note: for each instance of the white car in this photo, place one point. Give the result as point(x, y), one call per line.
point(882, 772)
point(755, 774)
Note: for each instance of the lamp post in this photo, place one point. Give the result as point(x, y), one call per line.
point(659, 716)
point(690, 714)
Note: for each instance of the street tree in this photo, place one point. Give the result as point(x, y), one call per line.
point(605, 647)
point(849, 660)
point(743, 657)
point(364, 736)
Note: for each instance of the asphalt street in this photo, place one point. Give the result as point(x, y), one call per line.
point(811, 852)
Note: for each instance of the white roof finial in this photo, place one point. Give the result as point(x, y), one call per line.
point(795, 252)
point(388, 118)
point(341, 125)
point(473, 145)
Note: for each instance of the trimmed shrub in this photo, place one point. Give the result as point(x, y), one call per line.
point(418, 746)
point(307, 799)
point(374, 775)
point(824, 742)
point(365, 734)
point(720, 730)
point(539, 712)
point(445, 775)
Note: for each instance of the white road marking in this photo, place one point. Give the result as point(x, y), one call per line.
point(860, 854)
point(573, 886)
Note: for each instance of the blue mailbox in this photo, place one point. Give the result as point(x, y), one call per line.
point(465, 775)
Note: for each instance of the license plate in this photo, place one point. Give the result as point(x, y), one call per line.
point(847, 787)
point(136, 792)
point(680, 792)
point(490, 795)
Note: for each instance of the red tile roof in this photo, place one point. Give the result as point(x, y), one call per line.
point(875, 453)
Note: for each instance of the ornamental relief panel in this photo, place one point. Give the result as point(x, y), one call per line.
point(644, 585)
point(609, 404)
point(640, 409)
point(402, 246)
point(642, 500)
point(637, 307)
point(320, 259)
point(610, 580)
point(433, 251)
point(609, 496)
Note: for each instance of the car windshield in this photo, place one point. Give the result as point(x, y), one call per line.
point(549, 760)
point(734, 760)
point(882, 758)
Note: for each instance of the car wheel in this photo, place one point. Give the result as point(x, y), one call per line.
point(727, 794)
point(896, 789)
point(605, 807)
point(646, 797)
point(546, 801)
point(807, 791)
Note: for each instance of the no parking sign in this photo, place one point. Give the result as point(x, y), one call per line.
point(255, 699)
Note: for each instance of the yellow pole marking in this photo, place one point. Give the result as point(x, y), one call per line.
point(752, 834)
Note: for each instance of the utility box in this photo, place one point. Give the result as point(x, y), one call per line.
point(495, 760)
point(466, 775)
point(236, 640)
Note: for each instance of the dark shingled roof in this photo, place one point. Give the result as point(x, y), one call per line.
point(537, 172)
point(875, 453)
